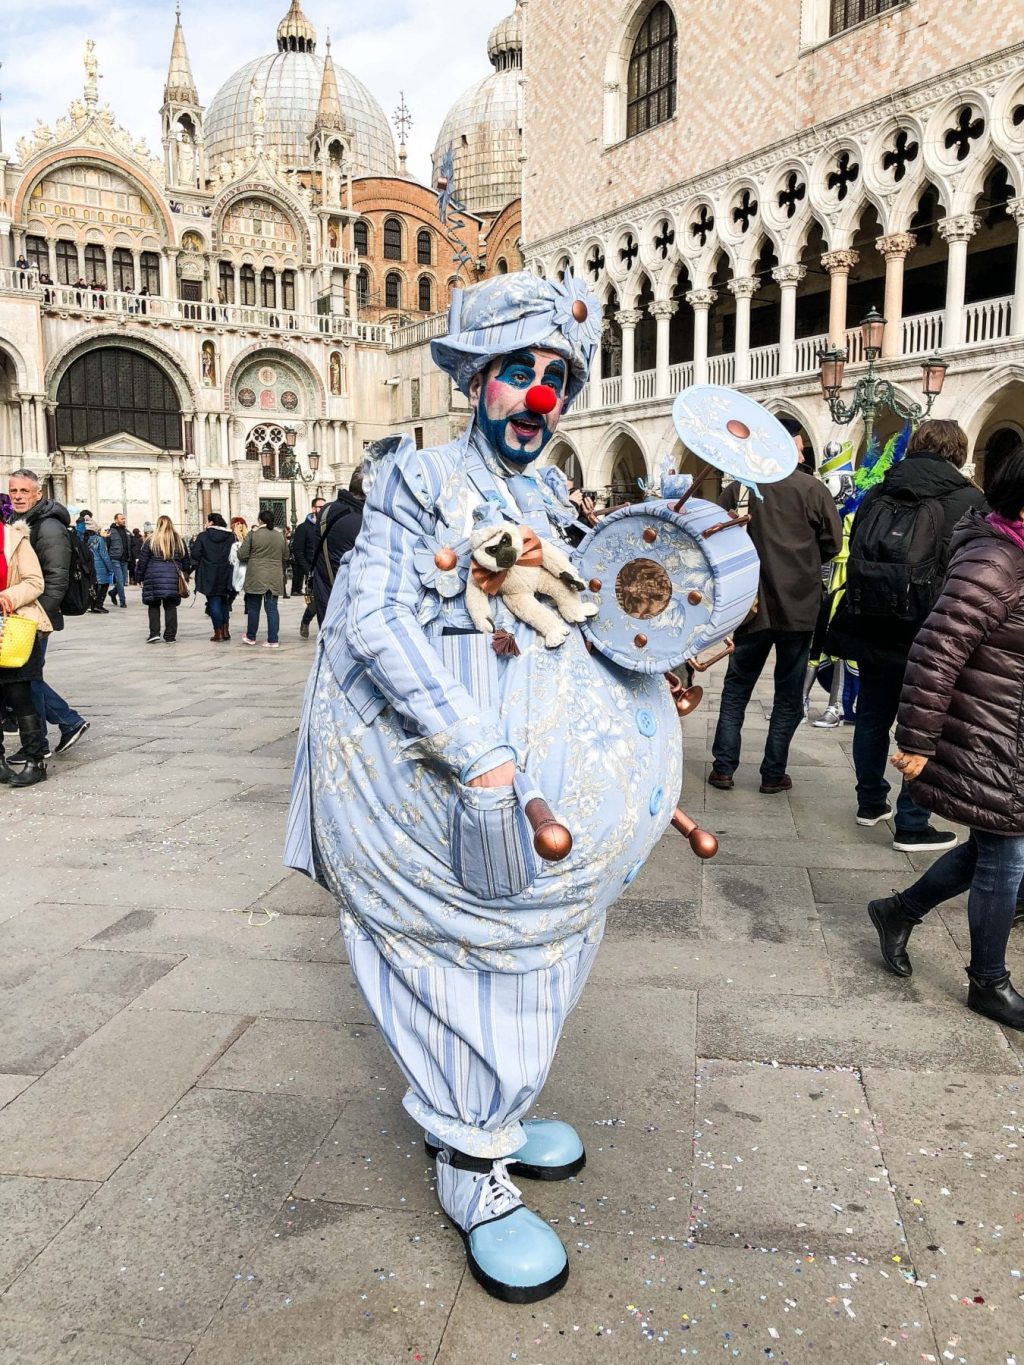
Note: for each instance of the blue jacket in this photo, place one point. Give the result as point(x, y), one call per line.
point(100, 557)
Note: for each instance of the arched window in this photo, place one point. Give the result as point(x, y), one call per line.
point(424, 248)
point(362, 239)
point(268, 287)
point(124, 269)
point(426, 294)
point(288, 290)
point(67, 262)
point(502, 266)
point(96, 265)
point(393, 291)
point(362, 288)
point(149, 271)
point(651, 91)
point(392, 239)
point(247, 286)
point(113, 389)
point(226, 281)
point(37, 253)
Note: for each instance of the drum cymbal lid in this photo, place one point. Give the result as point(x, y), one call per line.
point(728, 430)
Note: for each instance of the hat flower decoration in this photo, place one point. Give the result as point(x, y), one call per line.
point(577, 313)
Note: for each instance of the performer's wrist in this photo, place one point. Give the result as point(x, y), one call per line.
point(499, 756)
point(502, 776)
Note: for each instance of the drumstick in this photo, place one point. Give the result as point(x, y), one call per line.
point(705, 845)
point(552, 841)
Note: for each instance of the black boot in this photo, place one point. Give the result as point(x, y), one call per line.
point(998, 1001)
point(33, 743)
point(894, 929)
point(6, 771)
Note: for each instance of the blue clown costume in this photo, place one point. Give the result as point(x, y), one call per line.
point(469, 950)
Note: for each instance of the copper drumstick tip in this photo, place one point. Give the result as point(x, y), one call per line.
point(703, 843)
point(553, 843)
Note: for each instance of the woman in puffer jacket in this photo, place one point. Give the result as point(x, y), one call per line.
point(163, 566)
point(961, 745)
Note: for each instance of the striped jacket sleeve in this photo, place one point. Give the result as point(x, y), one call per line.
point(384, 634)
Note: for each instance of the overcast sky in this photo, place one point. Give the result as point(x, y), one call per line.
point(433, 51)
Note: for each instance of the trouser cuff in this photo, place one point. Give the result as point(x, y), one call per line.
point(494, 1144)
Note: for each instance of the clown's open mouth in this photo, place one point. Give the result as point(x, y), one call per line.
point(526, 427)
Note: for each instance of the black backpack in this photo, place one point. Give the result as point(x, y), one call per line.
point(81, 587)
point(898, 558)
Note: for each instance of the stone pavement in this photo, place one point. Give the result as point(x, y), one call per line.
point(203, 1155)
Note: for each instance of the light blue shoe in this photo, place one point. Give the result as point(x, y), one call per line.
point(552, 1151)
point(511, 1252)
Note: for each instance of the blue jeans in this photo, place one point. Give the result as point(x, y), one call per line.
point(220, 612)
point(253, 601)
point(990, 867)
point(119, 580)
point(51, 706)
point(792, 649)
point(878, 700)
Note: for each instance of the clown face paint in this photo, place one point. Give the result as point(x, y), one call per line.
point(514, 432)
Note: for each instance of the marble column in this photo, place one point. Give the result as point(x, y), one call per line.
point(1015, 207)
point(628, 319)
point(597, 374)
point(743, 290)
point(787, 277)
point(663, 311)
point(136, 268)
point(956, 232)
point(27, 424)
point(894, 250)
point(701, 301)
point(42, 442)
point(51, 256)
point(838, 264)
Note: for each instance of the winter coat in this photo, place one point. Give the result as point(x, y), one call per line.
point(101, 564)
point(24, 576)
point(211, 558)
point(795, 530)
point(963, 695)
point(340, 523)
point(883, 641)
point(160, 576)
point(304, 543)
point(119, 543)
point(48, 524)
point(264, 554)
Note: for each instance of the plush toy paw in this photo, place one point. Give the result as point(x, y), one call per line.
point(572, 580)
point(555, 636)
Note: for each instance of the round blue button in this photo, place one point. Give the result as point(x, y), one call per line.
point(657, 797)
point(632, 873)
point(646, 723)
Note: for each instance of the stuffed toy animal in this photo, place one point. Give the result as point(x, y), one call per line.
point(513, 563)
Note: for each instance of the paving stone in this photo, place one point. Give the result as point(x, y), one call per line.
point(880, 858)
point(32, 1212)
point(295, 894)
point(858, 970)
point(339, 1284)
point(45, 932)
point(875, 1032)
point(22, 1344)
point(157, 1248)
point(645, 919)
point(275, 990)
point(755, 905)
point(807, 1134)
point(88, 1112)
point(223, 934)
point(55, 1009)
point(10, 1086)
point(119, 882)
point(297, 1057)
point(773, 969)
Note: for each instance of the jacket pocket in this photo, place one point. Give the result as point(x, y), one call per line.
point(492, 852)
point(362, 694)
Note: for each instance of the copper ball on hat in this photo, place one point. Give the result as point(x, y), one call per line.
point(595, 585)
point(694, 597)
point(580, 311)
point(650, 535)
point(446, 559)
point(640, 641)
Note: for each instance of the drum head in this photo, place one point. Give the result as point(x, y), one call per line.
point(727, 429)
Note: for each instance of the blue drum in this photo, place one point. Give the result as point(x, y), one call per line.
point(666, 588)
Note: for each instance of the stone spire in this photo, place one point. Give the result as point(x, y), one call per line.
point(295, 33)
point(181, 86)
point(328, 114)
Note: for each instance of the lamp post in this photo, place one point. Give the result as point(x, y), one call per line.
point(872, 395)
point(289, 467)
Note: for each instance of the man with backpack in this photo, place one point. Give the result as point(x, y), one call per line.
point(340, 524)
point(58, 551)
point(305, 538)
point(899, 550)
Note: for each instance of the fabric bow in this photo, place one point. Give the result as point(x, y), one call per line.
point(491, 582)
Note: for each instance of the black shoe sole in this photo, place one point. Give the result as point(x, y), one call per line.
point(520, 1168)
point(513, 1293)
point(1006, 1023)
point(877, 922)
point(870, 821)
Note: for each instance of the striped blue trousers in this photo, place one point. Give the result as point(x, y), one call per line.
point(476, 1047)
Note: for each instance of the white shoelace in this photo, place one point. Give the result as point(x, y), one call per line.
point(498, 1195)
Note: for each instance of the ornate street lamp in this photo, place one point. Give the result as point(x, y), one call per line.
point(872, 395)
point(292, 470)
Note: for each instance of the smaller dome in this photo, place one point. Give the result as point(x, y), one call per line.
point(295, 33)
point(505, 45)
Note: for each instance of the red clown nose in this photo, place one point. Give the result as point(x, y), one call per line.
point(540, 399)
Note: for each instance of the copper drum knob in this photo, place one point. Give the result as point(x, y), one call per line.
point(446, 559)
point(695, 598)
point(640, 641)
point(650, 535)
point(595, 585)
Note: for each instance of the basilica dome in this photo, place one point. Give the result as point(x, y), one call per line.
point(290, 80)
point(484, 126)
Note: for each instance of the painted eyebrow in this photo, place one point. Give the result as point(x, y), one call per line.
point(519, 358)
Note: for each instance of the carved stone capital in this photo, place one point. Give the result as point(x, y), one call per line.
point(960, 228)
point(896, 245)
point(1015, 208)
point(789, 274)
point(745, 287)
point(629, 317)
point(840, 262)
point(700, 299)
point(664, 308)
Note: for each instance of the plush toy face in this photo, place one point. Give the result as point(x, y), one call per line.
point(497, 547)
point(518, 431)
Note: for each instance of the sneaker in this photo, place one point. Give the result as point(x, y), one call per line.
point(10, 724)
point(71, 738)
point(155, 640)
point(171, 641)
point(830, 719)
point(873, 815)
point(20, 757)
point(925, 840)
point(247, 641)
point(270, 644)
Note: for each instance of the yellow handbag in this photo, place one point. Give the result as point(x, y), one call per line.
point(17, 636)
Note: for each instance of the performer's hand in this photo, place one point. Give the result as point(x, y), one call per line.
point(6, 605)
point(502, 776)
point(910, 765)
